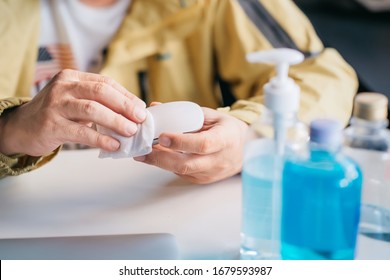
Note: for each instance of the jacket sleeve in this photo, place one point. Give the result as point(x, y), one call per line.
point(328, 84)
point(20, 163)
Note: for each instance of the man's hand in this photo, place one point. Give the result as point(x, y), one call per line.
point(65, 110)
point(212, 154)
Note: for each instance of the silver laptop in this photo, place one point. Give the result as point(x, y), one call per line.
point(154, 246)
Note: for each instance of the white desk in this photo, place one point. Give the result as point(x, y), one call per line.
point(79, 194)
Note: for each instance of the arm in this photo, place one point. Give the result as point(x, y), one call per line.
point(19, 163)
point(64, 112)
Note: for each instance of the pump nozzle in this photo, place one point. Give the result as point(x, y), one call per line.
point(281, 57)
point(281, 93)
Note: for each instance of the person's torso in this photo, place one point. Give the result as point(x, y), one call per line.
point(74, 36)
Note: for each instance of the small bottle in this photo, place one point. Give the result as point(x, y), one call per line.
point(278, 126)
point(368, 142)
point(321, 199)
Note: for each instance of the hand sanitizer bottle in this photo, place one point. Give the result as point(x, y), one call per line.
point(321, 199)
point(269, 135)
point(368, 142)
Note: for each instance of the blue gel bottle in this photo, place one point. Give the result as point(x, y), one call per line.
point(321, 199)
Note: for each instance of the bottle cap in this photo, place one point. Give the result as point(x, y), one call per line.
point(325, 131)
point(370, 106)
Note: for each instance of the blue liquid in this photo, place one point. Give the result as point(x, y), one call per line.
point(321, 207)
point(257, 178)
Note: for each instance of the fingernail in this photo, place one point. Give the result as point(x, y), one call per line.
point(164, 141)
point(131, 128)
point(140, 158)
point(114, 145)
point(140, 114)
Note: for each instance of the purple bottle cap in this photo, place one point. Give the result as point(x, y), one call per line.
point(325, 131)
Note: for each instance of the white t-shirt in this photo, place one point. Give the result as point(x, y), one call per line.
point(74, 35)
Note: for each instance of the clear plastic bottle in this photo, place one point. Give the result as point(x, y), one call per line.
point(368, 142)
point(277, 129)
point(321, 199)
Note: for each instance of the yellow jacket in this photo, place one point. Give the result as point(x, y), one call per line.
point(193, 50)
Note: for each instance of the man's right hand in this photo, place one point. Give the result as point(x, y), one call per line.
point(65, 110)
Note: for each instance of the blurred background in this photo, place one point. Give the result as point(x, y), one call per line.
point(360, 31)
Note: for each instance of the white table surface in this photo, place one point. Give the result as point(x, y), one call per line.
point(79, 194)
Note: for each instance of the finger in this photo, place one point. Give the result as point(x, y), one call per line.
point(111, 98)
point(106, 80)
point(179, 163)
point(76, 133)
point(154, 103)
point(78, 76)
point(204, 142)
point(90, 111)
point(211, 116)
point(107, 91)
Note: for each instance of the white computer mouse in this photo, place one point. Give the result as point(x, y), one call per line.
point(176, 117)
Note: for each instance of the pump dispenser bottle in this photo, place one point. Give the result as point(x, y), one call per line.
point(275, 133)
point(367, 141)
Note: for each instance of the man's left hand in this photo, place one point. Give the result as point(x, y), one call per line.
point(209, 155)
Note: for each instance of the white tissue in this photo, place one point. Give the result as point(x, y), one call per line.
point(171, 117)
point(138, 145)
